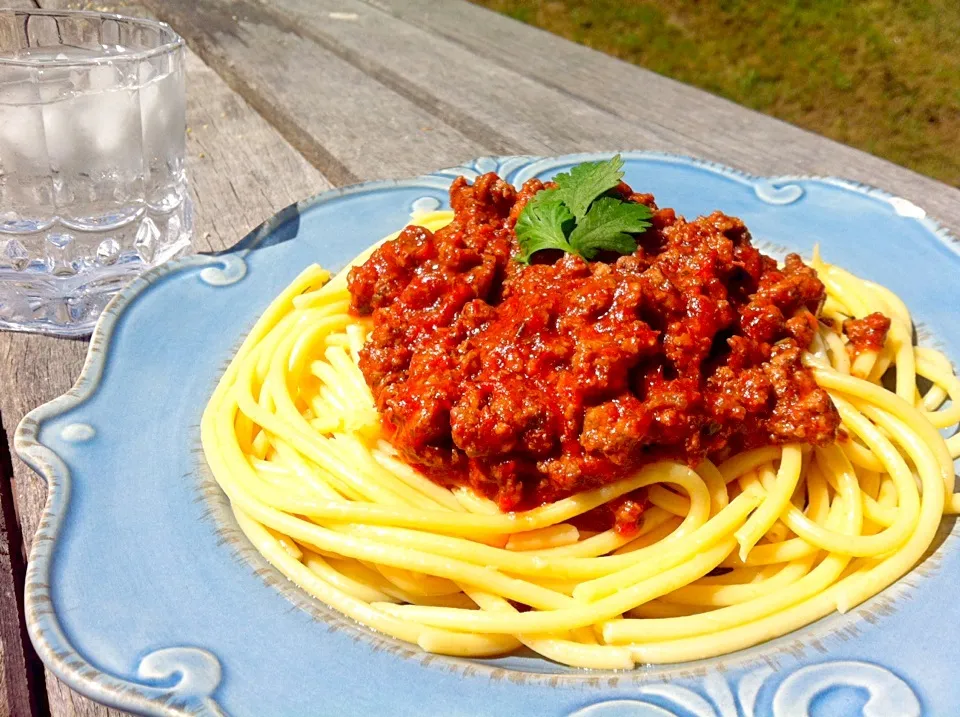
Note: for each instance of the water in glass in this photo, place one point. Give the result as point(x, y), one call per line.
point(92, 184)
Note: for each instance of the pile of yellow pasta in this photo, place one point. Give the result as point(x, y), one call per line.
point(729, 555)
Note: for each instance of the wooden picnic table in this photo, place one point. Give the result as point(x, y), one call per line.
point(286, 98)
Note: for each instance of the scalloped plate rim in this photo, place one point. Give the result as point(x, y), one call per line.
point(62, 659)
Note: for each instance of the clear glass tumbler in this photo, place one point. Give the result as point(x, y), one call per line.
point(92, 183)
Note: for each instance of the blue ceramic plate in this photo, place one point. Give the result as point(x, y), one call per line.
point(143, 594)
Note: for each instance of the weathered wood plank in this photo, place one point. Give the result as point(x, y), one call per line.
point(395, 77)
point(677, 113)
point(21, 673)
point(350, 124)
point(241, 172)
point(504, 105)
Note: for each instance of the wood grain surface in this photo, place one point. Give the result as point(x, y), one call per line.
point(289, 97)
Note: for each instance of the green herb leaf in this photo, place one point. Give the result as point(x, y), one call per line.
point(576, 218)
point(543, 224)
point(607, 226)
point(587, 181)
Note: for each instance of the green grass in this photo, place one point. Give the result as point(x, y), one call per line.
point(881, 75)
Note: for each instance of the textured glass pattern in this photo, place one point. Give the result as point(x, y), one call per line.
point(92, 183)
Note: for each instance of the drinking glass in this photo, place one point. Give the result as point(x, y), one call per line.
point(92, 183)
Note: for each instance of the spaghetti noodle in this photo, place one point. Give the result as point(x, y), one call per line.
point(727, 556)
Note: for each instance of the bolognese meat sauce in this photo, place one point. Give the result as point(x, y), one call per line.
point(867, 334)
point(530, 383)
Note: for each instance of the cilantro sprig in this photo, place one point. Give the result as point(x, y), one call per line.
point(577, 218)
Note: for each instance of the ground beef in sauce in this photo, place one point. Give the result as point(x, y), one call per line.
point(530, 383)
point(868, 333)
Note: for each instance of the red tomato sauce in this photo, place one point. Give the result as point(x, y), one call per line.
point(868, 333)
point(531, 383)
